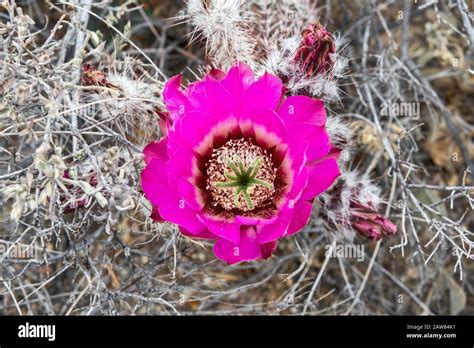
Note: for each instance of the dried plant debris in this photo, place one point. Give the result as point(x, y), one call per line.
point(82, 92)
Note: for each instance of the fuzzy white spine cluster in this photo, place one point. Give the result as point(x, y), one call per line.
point(341, 136)
point(132, 95)
point(224, 26)
point(130, 103)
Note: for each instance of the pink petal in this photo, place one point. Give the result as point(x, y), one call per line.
point(247, 249)
point(302, 109)
point(268, 249)
point(299, 183)
point(204, 234)
point(238, 80)
point(171, 206)
point(334, 153)
point(276, 230)
point(223, 126)
point(156, 149)
point(321, 177)
point(291, 219)
point(164, 125)
point(182, 168)
point(155, 182)
point(316, 137)
point(296, 155)
point(292, 166)
point(191, 194)
point(210, 97)
point(180, 213)
point(182, 164)
point(267, 127)
point(176, 101)
point(164, 121)
point(300, 218)
point(227, 230)
point(193, 128)
point(264, 94)
point(248, 220)
point(155, 215)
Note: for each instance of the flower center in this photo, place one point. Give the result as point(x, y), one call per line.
point(240, 176)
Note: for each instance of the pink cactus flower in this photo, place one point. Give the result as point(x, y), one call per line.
point(314, 54)
point(239, 164)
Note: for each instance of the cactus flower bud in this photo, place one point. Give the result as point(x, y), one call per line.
point(368, 222)
point(314, 55)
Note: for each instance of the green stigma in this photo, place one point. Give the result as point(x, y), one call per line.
point(243, 180)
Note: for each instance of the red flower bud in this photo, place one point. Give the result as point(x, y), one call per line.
point(93, 77)
point(314, 54)
point(370, 223)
